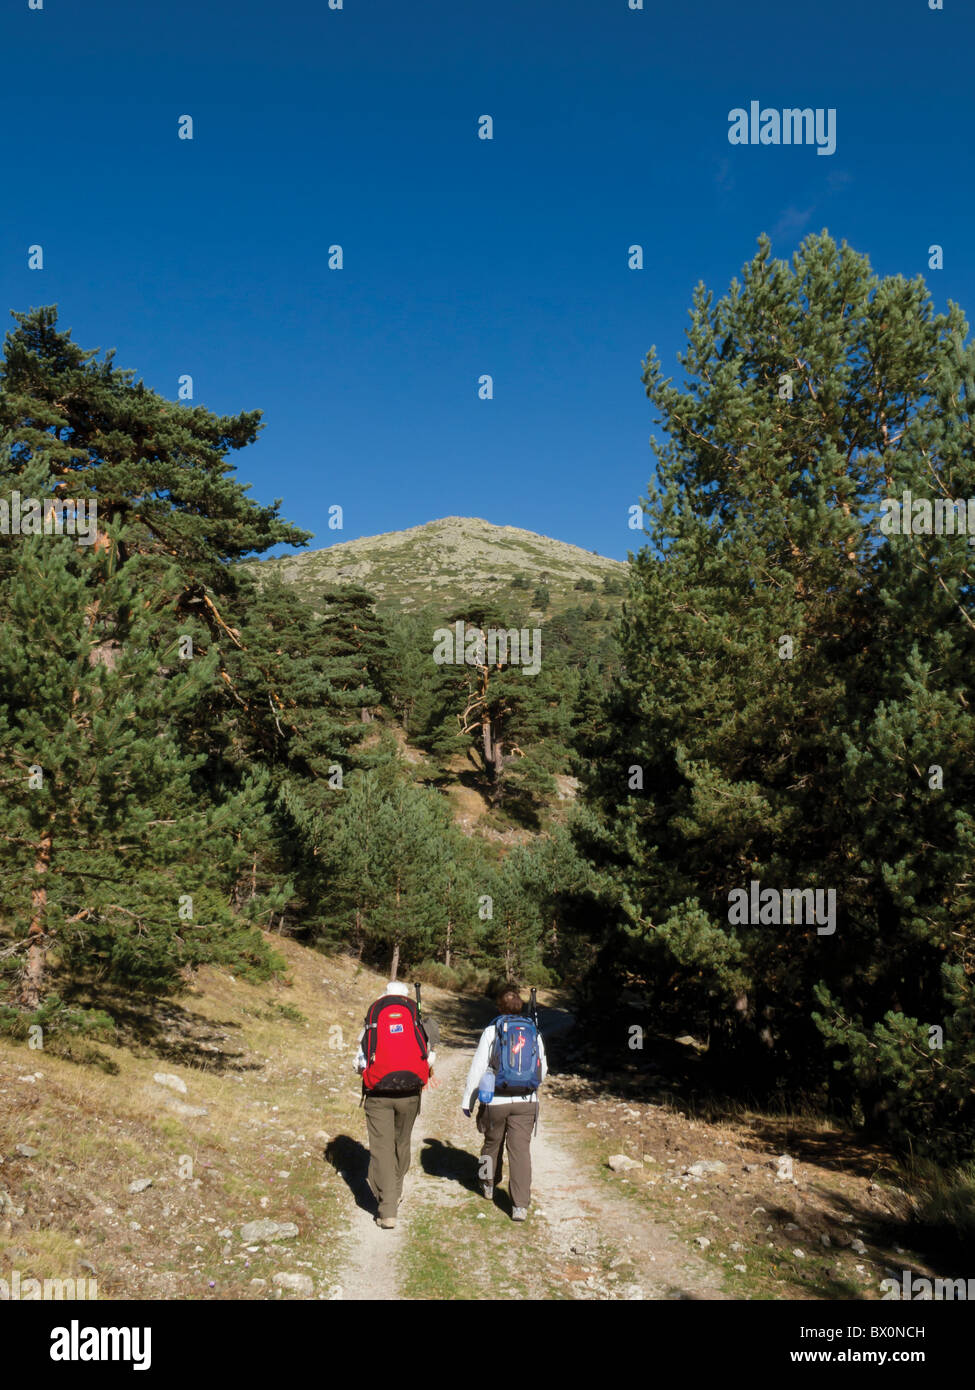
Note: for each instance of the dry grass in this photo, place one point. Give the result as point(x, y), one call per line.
point(272, 1065)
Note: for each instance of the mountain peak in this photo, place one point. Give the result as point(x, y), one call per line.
point(451, 558)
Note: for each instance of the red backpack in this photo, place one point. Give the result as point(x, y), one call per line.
point(395, 1048)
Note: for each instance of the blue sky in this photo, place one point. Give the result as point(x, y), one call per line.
point(359, 127)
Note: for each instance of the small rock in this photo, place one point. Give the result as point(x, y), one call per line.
point(858, 1247)
point(226, 1233)
point(619, 1163)
point(298, 1283)
point(741, 1269)
point(140, 1184)
point(706, 1165)
point(825, 1240)
point(258, 1283)
point(702, 1241)
point(26, 1151)
point(799, 1254)
point(166, 1078)
point(267, 1230)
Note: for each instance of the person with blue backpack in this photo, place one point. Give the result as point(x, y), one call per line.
point(504, 1077)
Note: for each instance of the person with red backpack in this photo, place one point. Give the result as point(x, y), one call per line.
point(507, 1070)
point(395, 1062)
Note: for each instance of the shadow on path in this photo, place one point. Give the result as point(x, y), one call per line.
point(350, 1159)
point(445, 1160)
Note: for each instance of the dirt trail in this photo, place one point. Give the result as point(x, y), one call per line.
point(573, 1216)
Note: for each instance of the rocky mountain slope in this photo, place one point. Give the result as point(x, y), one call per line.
point(456, 557)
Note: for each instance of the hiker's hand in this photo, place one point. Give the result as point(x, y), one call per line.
point(434, 1081)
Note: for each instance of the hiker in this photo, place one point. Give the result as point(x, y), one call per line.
point(510, 1058)
point(395, 1063)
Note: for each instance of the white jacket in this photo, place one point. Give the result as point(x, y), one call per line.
point(480, 1065)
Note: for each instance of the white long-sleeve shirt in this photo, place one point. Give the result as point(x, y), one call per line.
point(480, 1065)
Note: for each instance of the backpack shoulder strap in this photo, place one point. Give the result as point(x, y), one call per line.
point(369, 1028)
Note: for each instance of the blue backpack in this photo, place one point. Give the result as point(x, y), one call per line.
point(515, 1058)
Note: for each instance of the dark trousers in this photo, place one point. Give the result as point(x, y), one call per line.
point(389, 1120)
point(512, 1125)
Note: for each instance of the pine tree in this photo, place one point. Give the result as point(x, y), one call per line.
point(794, 678)
point(383, 866)
point(114, 864)
point(514, 725)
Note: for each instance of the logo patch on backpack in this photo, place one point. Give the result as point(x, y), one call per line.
point(396, 1027)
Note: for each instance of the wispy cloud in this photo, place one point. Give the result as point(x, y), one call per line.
point(792, 220)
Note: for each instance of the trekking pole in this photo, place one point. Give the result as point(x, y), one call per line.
point(533, 1006)
point(417, 988)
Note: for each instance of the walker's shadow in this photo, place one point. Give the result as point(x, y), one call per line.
point(440, 1160)
point(350, 1159)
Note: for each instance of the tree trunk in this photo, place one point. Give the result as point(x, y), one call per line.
point(497, 772)
point(487, 742)
point(395, 965)
point(33, 977)
point(446, 958)
point(360, 939)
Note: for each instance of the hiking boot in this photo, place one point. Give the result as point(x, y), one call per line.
point(519, 1214)
point(387, 1223)
point(487, 1188)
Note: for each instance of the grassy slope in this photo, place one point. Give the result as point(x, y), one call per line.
point(273, 1089)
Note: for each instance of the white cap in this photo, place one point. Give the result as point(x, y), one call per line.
point(394, 987)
